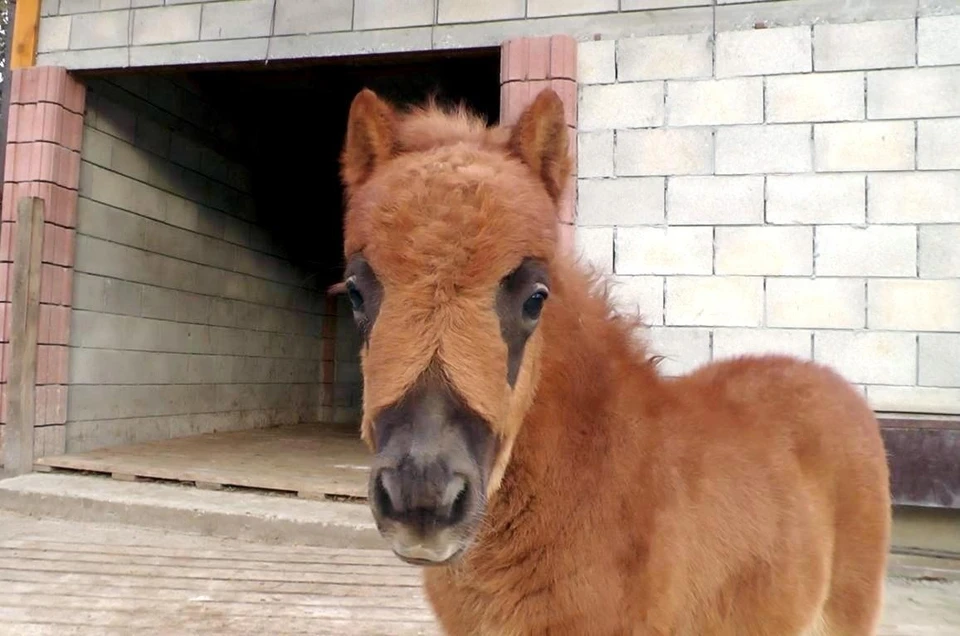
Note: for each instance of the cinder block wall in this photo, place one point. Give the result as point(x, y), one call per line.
point(187, 318)
point(791, 189)
point(757, 183)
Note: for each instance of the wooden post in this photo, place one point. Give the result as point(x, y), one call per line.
point(24, 326)
point(26, 27)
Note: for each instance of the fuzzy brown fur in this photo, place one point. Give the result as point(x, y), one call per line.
point(748, 498)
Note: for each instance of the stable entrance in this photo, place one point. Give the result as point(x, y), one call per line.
point(203, 346)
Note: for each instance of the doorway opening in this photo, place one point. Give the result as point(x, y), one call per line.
point(204, 347)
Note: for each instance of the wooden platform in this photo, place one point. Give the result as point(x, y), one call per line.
point(309, 460)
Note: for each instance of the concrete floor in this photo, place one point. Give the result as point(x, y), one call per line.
point(69, 577)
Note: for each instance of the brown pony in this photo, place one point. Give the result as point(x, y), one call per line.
point(527, 450)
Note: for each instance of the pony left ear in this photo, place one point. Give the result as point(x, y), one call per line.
point(371, 138)
point(540, 139)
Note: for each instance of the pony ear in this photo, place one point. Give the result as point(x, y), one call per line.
point(371, 137)
point(540, 139)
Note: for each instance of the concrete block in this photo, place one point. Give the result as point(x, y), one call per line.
point(913, 93)
point(715, 102)
point(54, 34)
point(816, 303)
point(913, 197)
point(939, 251)
point(638, 296)
point(121, 192)
point(664, 151)
point(113, 57)
point(165, 25)
point(596, 62)
point(665, 57)
point(389, 14)
point(815, 97)
point(764, 251)
point(594, 246)
point(543, 8)
point(632, 105)
point(732, 342)
point(868, 357)
point(319, 44)
point(130, 161)
point(864, 45)
point(714, 301)
point(938, 40)
point(595, 154)
point(938, 359)
point(88, 292)
point(746, 15)
point(664, 250)
point(861, 146)
point(938, 144)
point(816, 199)
point(623, 201)
point(612, 25)
point(874, 250)
point(683, 349)
point(934, 305)
point(763, 51)
point(471, 11)
point(293, 17)
point(121, 297)
point(236, 19)
point(113, 224)
point(714, 200)
point(914, 399)
point(97, 147)
point(159, 303)
point(100, 30)
point(763, 149)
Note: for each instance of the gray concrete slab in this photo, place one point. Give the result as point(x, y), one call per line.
point(229, 514)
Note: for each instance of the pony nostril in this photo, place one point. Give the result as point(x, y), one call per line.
point(454, 501)
point(385, 495)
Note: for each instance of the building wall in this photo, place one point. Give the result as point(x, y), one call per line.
point(775, 175)
point(118, 33)
point(789, 189)
point(187, 319)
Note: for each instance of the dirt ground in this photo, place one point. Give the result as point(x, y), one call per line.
point(67, 578)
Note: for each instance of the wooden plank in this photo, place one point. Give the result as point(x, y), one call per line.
point(26, 28)
point(24, 326)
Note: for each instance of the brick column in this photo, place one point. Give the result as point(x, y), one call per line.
point(43, 160)
point(527, 66)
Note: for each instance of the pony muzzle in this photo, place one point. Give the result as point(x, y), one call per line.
point(425, 510)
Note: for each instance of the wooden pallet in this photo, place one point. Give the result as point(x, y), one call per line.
point(316, 461)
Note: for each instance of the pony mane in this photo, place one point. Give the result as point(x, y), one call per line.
point(432, 125)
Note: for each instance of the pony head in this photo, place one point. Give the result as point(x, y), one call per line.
point(449, 239)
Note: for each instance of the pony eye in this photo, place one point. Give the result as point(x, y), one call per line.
point(533, 305)
point(356, 298)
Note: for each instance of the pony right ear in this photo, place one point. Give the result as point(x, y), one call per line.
point(371, 137)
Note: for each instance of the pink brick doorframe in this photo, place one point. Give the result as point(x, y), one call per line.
point(44, 136)
point(527, 66)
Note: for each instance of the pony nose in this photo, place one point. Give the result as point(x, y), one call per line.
point(424, 497)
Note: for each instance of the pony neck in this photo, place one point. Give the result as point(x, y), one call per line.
point(591, 357)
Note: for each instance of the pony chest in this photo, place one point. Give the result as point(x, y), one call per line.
point(533, 593)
